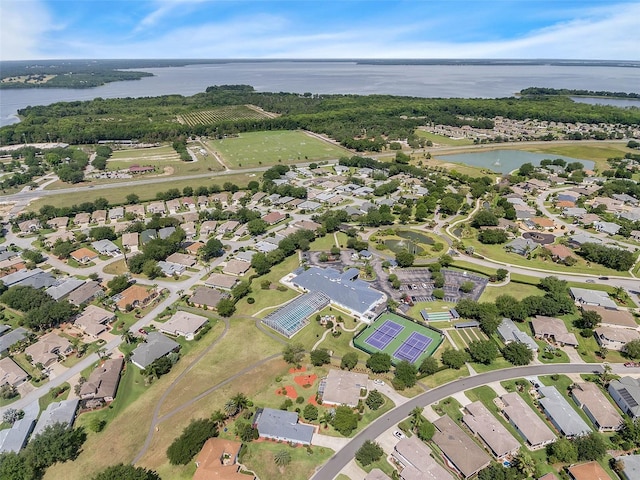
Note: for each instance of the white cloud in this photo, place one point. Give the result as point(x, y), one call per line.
point(22, 27)
point(164, 8)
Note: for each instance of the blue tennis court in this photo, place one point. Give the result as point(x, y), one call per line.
point(384, 334)
point(414, 346)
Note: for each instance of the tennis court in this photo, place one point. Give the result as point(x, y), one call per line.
point(400, 337)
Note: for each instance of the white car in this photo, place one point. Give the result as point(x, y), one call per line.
point(377, 381)
point(398, 434)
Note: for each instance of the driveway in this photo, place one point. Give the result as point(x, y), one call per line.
point(334, 443)
point(389, 392)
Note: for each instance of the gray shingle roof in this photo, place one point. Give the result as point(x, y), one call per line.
point(57, 412)
point(279, 424)
point(561, 413)
point(156, 346)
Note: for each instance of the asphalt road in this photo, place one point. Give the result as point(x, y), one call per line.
point(336, 463)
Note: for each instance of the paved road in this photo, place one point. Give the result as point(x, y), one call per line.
point(336, 463)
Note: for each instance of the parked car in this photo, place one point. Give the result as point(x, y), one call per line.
point(632, 364)
point(377, 381)
point(398, 434)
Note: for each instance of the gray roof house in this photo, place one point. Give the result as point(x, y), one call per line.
point(526, 421)
point(106, 247)
point(561, 414)
point(64, 288)
point(155, 347)
point(417, 461)
point(521, 246)
point(283, 426)
point(38, 281)
point(509, 332)
point(626, 393)
point(586, 296)
point(85, 293)
point(631, 467)
point(57, 412)
point(609, 228)
point(11, 338)
point(15, 438)
point(16, 277)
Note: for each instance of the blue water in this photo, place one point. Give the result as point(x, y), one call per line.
point(505, 161)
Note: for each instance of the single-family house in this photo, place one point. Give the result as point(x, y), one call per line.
point(206, 297)
point(147, 235)
point(274, 217)
point(130, 241)
point(106, 247)
point(84, 255)
point(207, 228)
point(631, 470)
point(417, 461)
point(57, 412)
point(228, 226)
point(626, 393)
point(218, 460)
point(155, 346)
point(553, 329)
point(166, 232)
point(48, 349)
point(585, 296)
point(58, 223)
point(282, 426)
point(9, 339)
point(64, 288)
point(99, 216)
point(526, 421)
point(85, 293)
point(236, 267)
point(614, 317)
point(94, 320)
point(509, 332)
point(173, 205)
point(588, 471)
point(135, 296)
point(182, 259)
point(609, 228)
point(194, 247)
point(11, 373)
point(170, 269)
point(561, 414)
point(461, 451)
point(218, 280)
point(102, 384)
point(559, 253)
point(342, 387)
point(82, 219)
point(29, 226)
point(156, 207)
point(615, 338)
point(495, 435)
point(185, 324)
point(116, 213)
point(542, 223)
point(521, 246)
point(596, 406)
point(582, 238)
point(190, 230)
point(135, 210)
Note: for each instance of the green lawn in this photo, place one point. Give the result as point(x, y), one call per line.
point(442, 139)
point(516, 290)
point(252, 149)
point(118, 195)
point(381, 464)
point(449, 406)
point(594, 151)
point(259, 458)
point(48, 399)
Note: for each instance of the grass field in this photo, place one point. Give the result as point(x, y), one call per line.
point(516, 290)
point(595, 151)
point(253, 149)
point(360, 340)
point(164, 159)
point(118, 195)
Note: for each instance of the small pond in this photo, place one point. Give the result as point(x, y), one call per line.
point(415, 236)
point(505, 161)
point(397, 245)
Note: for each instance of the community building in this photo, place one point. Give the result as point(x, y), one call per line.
point(342, 387)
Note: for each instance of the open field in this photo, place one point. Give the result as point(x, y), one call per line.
point(253, 149)
point(221, 114)
point(118, 195)
point(595, 151)
point(516, 290)
point(164, 159)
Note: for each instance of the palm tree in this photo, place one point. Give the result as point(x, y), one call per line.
point(241, 401)
point(218, 418)
point(416, 418)
point(325, 419)
point(230, 408)
point(128, 337)
point(525, 464)
point(282, 458)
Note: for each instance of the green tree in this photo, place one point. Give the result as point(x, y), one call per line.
point(126, 472)
point(483, 351)
point(213, 248)
point(293, 354)
point(241, 289)
point(369, 453)
point(260, 263)
point(632, 349)
point(132, 199)
point(190, 442)
point(406, 373)
point(404, 258)
point(525, 464)
point(467, 286)
point(349, 361)
point(591, 447)
point(57, 443)
point(374, 400)
point(589, 319)
point(320, 357)
point(562, 450)
point(517, 354)
point(345, 420)
point(454, 358)
point(226, 307)
point(379, 362)
point(117, 284)
point(426, 430)
point(501, 274)
point(429, 366)
point(310, 412)
point(257, 227)
point(282, 458)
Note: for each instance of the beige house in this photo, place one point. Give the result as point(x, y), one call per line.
point(598, 408)
point(11, 373)
point(342, 387)
point(218, 280)
point(483, 424)
point(102, 384)
point(417, 461)
point(185, 324)
point(130, 241)
point(553, 329)
point(94, 320)
point(236, 267)
point(48, 349)
point(615, 338)
point(526, 422)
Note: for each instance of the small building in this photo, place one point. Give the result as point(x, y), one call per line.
point(483, 424)
point(526, 422)
point(218, 460)
point(596, 406)
point(130, 241)
point(588, 471)
point(48, 349)
point(155, 346)
point(236, 267)
point(342, 387)
point(102, 384)
point(461, 451)
point(561, 414)
point(585, 296)
point(57, 412)
point(11, 373)
point(85, 293)
point(553, 329)
point(84, 255)
point(64, 288)
point(417, 461)
point(135, 296)
point(282, 426)
point(183, 324)
point(615, 338)
point(206, 297)
point(94, 320)
point(509, 332)
point(218, 280)
point(626, 393)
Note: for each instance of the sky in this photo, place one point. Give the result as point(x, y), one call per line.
point(559, 29)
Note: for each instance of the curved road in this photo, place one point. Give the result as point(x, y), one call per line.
point(336, 463)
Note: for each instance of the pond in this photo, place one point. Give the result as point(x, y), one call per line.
point(505, 161)
point(415, 236)
point(397, 245)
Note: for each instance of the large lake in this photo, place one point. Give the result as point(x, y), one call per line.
point(466, 81)
point(505, 161)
